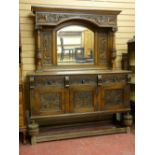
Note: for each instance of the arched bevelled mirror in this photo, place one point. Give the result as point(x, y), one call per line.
point(75, 45)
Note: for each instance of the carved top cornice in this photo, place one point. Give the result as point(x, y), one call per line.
point(55, 16)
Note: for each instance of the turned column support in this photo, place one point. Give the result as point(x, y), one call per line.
point(38, 49)
point(114, 29)
point(128, 121)
point(33, 130)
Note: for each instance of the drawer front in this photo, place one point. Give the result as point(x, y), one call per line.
point(83, 79)
point(46, 81)
point(114, 78)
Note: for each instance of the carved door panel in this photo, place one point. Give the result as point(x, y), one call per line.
point(47, 101)
point(83, 98)
point(114, 97)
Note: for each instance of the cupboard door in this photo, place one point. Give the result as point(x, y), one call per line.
point(114, 97)
point(83, 98)
point(47, 101)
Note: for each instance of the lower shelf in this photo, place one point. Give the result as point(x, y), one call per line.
point(68, 132)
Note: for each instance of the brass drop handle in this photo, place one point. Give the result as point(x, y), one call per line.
point(67, 82)
point(99, 80)
point(49, 82)
point(83, 81)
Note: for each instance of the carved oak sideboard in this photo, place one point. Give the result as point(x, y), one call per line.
point(69, 98)
point(68, 101)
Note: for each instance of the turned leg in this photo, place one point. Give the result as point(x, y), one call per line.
point(128, 121)
point(33, 130)
point(33, 140)
point(24, 137)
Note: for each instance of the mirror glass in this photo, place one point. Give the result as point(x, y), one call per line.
point(75, 45)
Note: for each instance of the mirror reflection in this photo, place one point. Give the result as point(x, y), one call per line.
point(75, 45)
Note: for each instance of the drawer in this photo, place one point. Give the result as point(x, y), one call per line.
point(114, 78)
point(40, 81)
point(83, 79)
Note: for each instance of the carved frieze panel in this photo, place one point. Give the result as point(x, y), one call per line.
point(49, 18)
point(113, 97)
point(46, 47)
point(83, 100)
point(49, 81)
point(50, 101)
point(112, 78)
point(102, 47)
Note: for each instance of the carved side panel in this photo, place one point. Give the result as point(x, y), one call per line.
point(50, 102)
point(83, 101)
point(102, 48)
point(46, 47)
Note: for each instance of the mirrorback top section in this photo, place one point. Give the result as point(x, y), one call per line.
point(74, 37)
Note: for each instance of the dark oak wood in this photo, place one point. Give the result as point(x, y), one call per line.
point(66, 97)
point(77, 133)
point(22, 123)
point(49, 20)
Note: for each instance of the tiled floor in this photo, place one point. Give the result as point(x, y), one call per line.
point(117, 144)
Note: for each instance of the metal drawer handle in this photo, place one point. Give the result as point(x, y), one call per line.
point(83, 81)
point(67, 82)
point(99, 80)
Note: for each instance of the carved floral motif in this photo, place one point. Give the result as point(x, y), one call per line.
point(102, 43)
point(83, 99)
point(46, 47)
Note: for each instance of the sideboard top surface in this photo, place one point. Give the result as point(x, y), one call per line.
point(80, 72)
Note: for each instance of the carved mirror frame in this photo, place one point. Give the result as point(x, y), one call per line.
point(49, 20)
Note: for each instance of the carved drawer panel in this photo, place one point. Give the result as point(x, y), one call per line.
point(114, 78)
point(48, 81)
point(83, 79)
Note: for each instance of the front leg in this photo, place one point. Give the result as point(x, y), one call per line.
point(33, 130)
point(128, 121)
